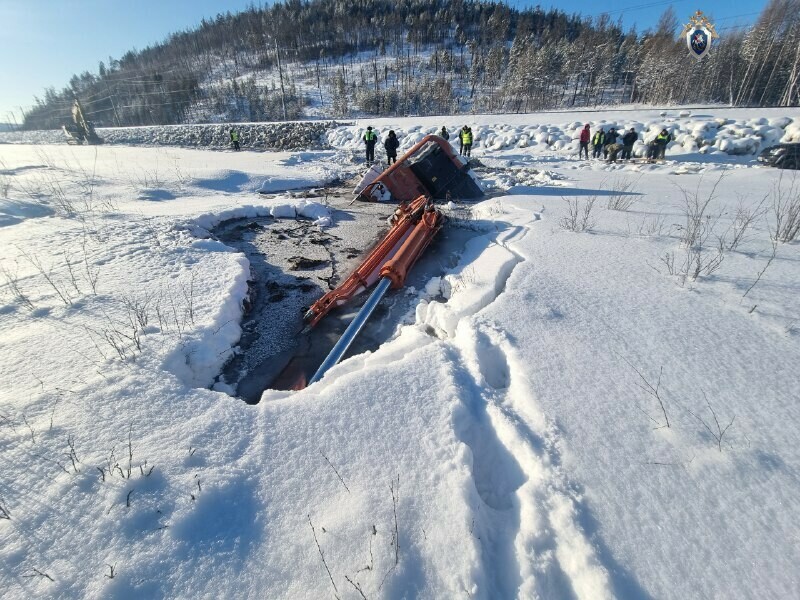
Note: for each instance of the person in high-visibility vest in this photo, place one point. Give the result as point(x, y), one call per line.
point(662, 139)
point(370, 138)
point(597, 142)
point(234, 139)
point(465, 136)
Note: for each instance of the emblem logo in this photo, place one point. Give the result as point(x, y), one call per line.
point(698, 33)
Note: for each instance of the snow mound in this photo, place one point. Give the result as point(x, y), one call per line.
point(690, 134)
point(16, 211)
point(262, 136)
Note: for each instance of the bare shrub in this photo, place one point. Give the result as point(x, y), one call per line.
point(124, 336)
point(653, 391)
point(48, 186)
point(762, 271)
point(334, 470)
point(697, 220)
point(87, 184)
point(743, 220)
point(717, 432)
point(5, 180)
point(652, 227)
point(579, 218)
point(322, 557)
point(623, 195)
point(138, 309)
point(697, 260)
point(786, 211)
point(60, 289)
point(12, 281)
point(187, 291)
point(73, 454)
point(72, 272)
point(704, 263)
point(38, 573)
point(669, 261)
point(146, 178)
point(112, 466)
point(91, 272)
point(701, 257)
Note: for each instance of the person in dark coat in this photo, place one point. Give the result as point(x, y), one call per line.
point(611, 138)
point(391, 144)
point(444, 133)
point(370, 138)
point(585, 137)
point(597, 142)
point(628, 140)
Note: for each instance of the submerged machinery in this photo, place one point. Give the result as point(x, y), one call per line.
point(430, 170)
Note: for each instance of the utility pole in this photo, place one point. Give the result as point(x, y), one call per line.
point(280, 74)
point(111, 97)
point(114, 108)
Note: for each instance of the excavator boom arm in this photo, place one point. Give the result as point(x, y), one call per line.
point(393, 247)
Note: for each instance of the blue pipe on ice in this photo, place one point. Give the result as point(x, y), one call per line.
point(352, 330)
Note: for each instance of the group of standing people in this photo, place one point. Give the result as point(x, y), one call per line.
point(391, 144)
point(464, 139)
point(370, 139)
point(610, 143)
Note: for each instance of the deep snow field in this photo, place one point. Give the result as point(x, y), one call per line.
point(587, 406)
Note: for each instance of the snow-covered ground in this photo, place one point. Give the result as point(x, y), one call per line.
point(572, 414)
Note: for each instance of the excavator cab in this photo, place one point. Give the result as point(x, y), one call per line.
point(430, 168)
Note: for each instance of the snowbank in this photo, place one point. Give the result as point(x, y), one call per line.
point(691, 134)
point(260, 136)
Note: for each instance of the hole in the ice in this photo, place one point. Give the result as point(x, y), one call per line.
point(291, 262)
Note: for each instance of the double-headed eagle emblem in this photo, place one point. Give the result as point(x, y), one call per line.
point(698, 33)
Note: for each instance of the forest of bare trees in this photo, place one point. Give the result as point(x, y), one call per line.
point(344, 58)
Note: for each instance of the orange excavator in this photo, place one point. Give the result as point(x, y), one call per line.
point(429, 170)
point(413, 226)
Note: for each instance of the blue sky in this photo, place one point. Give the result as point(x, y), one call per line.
point(44, 42)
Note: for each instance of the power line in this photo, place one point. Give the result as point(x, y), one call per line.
point(642, 6)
